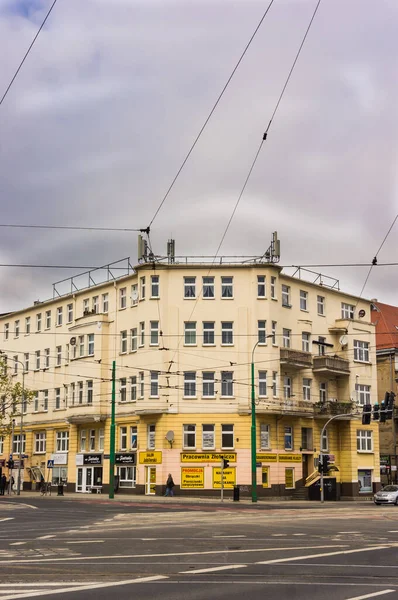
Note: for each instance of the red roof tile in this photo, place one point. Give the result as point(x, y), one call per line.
point(386, 320)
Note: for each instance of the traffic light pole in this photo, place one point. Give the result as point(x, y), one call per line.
point(222, 479)
point(112, 436)
point(253, 431)
point(21, 431)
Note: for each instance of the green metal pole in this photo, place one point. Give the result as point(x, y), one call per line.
point(112, 441)
point(253, 441)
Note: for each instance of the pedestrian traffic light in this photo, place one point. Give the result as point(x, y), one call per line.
point(10, 464)
point(366, 414)
point(225, 463)
point(383, 412)
point(323, 464)
point(390, 405)
point(376, 412)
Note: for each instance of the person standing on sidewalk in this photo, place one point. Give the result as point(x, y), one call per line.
point(3, 485)
point(169, 486)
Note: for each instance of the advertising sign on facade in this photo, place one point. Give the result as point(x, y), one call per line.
point(289, 478)
point(192, 477)
point(262, 457)
point(125, 458)
point(60, 458)
point(207, 456)
point(150, 458)
point(229, 476)
point(290, 458)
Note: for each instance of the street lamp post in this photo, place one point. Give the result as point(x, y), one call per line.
point(253, 431)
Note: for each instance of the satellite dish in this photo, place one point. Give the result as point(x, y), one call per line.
point(134, 296)
point(72, 341)
point(170, 436)
point(361, 313)
point(343, 340)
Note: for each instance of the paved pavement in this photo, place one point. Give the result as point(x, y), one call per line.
point(186, 549)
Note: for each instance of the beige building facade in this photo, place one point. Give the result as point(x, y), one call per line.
point(183, 337)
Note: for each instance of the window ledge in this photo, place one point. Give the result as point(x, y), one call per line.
point(59, 409)
point(261, 297)
point(362, 362)
point(122, 402)
point(38, 452)
point(209, 345)
point(365, 451)
point(123, 308)
point(189, 297)
point(154, 298)
point(189, 397)
point(286, 305)
point(190, 345)
point(209, 397)
point(154, 345)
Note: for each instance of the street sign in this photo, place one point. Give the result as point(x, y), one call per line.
point(50, 464)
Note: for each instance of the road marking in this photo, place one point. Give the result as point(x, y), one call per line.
point(348, 532)
point(292, 558)
point(346, 566)
point(7, 519)
point(87, 542)
point(45, 537)
point(148, 539)
point(213, 569)
point(299, 534)
point(170, 555)
point(372, 595)
point(278, 534)
point(18, 543)
point(45, 584)
point(393, 531)
point(228, 536)
point(80, 588)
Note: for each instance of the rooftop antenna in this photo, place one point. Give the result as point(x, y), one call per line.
point(171, 251)
point(273, 254)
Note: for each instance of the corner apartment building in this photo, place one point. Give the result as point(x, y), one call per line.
point(183, 335)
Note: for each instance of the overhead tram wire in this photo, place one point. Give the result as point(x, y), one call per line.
point(211, 113)
point(70, 228)
point(27, 52)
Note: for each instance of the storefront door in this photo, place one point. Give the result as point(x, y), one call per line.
point(87, 477)
point(150, 480)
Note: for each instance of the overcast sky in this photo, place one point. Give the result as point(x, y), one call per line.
point(114, 92)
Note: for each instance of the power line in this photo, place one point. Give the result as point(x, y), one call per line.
point(27, 52)
point(210, 114)
point(70, 228)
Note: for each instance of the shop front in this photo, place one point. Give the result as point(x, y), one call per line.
point(89, 473)
point(150, 460)
point(126, 469)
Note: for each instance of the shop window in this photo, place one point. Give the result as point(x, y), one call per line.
point(127, 476)
point(189, 437)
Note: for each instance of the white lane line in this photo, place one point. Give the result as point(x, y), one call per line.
point(170, 555)
point(393, 531)
point(87, 542)
point(348, 532)
point(278, 534)
point(299, 534)
point(46, 584)
point(382, 593)
point(339, 565)
point(148, 539)
point(229, 536)
point(212, 569)
point(81, 588)
point(45, 537)
point(18, 543)
point(7, 519)
point(292, 558)
point(8, 591)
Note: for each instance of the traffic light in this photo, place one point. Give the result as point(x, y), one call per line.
point(225, 463)
point(376, 412)
point(323, 464)
point(390, 405)
point(10, 464)
point(383, 412)
point(366, 414)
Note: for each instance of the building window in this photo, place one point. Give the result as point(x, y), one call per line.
point(273, 288)
point(1, 444)
point(208, 384)
point(190, 333)
point(286, 333)
point(305, 341)
point(90, 344)
point(38, 322)
point(364, 440)
point(59, 356)
point(92, 439)
point(80, 392)
point(123, 390)
point(275, 384)
point(142, 334)
point(16, 364)
point(208, 287)
point(16, 329)
point(105, 303)
point(303, 300)
point(95, 304)
point(227, 436)
point(208, 333)
point(265, 436)
point(40, 442)
point(262, 383)
point(6, 331)
point(123, 342)
point(16, 445)
point(151, 437)
point(59, 316)
point(154, 384)
point(321, 346)
point(262, 332)
point(189, 384)
point(86, 306)
point(48, 319)
point(62, 441)
point(83, 438)
point(81, 345)
point(26, 362)
point(123, 438)
point(66, 394)
point(361, 351)
point(227, 384)
point(57, 398)
point(320, 303)
point(69, 313)
point(142, 288)
point(134, 294)
point(189, 437)
point(365, 480)
point(306, 389)
point(227, 333)
point(325, 441)
point(142, 382)
point(45, 400)
point(347, 311)
point(227, 290)
point(362, 394)
point(122, 298)
point(133, 388)
point(27, 325)
point(90, 391)
point(134, 339)
point(35, 403)
point(273, 333)
point(261, 286)
point(288, 438)
point(286, 296)
point(154, 286)
point(189, 287)
point(72, 393)
point(101, 438)
point(287, 387)
point(208, 438)
point(323, 392)
point(37, 359)
point(47, 358)
point(133, 437)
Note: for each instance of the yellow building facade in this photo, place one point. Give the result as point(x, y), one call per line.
point(183, 336)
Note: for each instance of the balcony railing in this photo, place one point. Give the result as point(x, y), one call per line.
point(295, 359)
point(331, 364)
point(334, 407)
point(289, 406)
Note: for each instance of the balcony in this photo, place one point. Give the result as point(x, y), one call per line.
point(295, 359)
point(334, 407)
point(150, 407)
point(286, 406)
point(331, 365)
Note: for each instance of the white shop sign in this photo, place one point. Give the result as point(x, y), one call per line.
point(59, 458)
point(79, 459)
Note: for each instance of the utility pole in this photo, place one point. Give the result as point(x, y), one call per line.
point(21, 431)
point(253, 431)
point(112, 436)
point(11, 455)
point(222, 479)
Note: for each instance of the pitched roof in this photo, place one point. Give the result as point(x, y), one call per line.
point(385, 317)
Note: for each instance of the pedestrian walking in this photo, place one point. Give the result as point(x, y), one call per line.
point(12, 482)
point(3, 485)
point(169, 486)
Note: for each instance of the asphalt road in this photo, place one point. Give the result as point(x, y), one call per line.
point(95, 549)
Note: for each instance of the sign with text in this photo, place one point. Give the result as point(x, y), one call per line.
point(229, 477)
point(192, 477)
point(88, 459)
point(289, 478)
point(125, 458)
point(207, 456)
point(296, 458)
point(150, 458)
point(262, 457)
point(60, 458)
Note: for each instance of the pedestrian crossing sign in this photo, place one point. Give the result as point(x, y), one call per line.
point(50, 464)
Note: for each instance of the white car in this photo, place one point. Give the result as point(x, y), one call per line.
point(388, 495)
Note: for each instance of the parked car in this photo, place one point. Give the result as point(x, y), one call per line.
point(388, 495)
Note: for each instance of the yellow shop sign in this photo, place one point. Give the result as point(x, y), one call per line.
point(207, 456)
point(229, 477)
point(296, 458)
point(150, 458)
point(192, 477)
point(266, 457)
